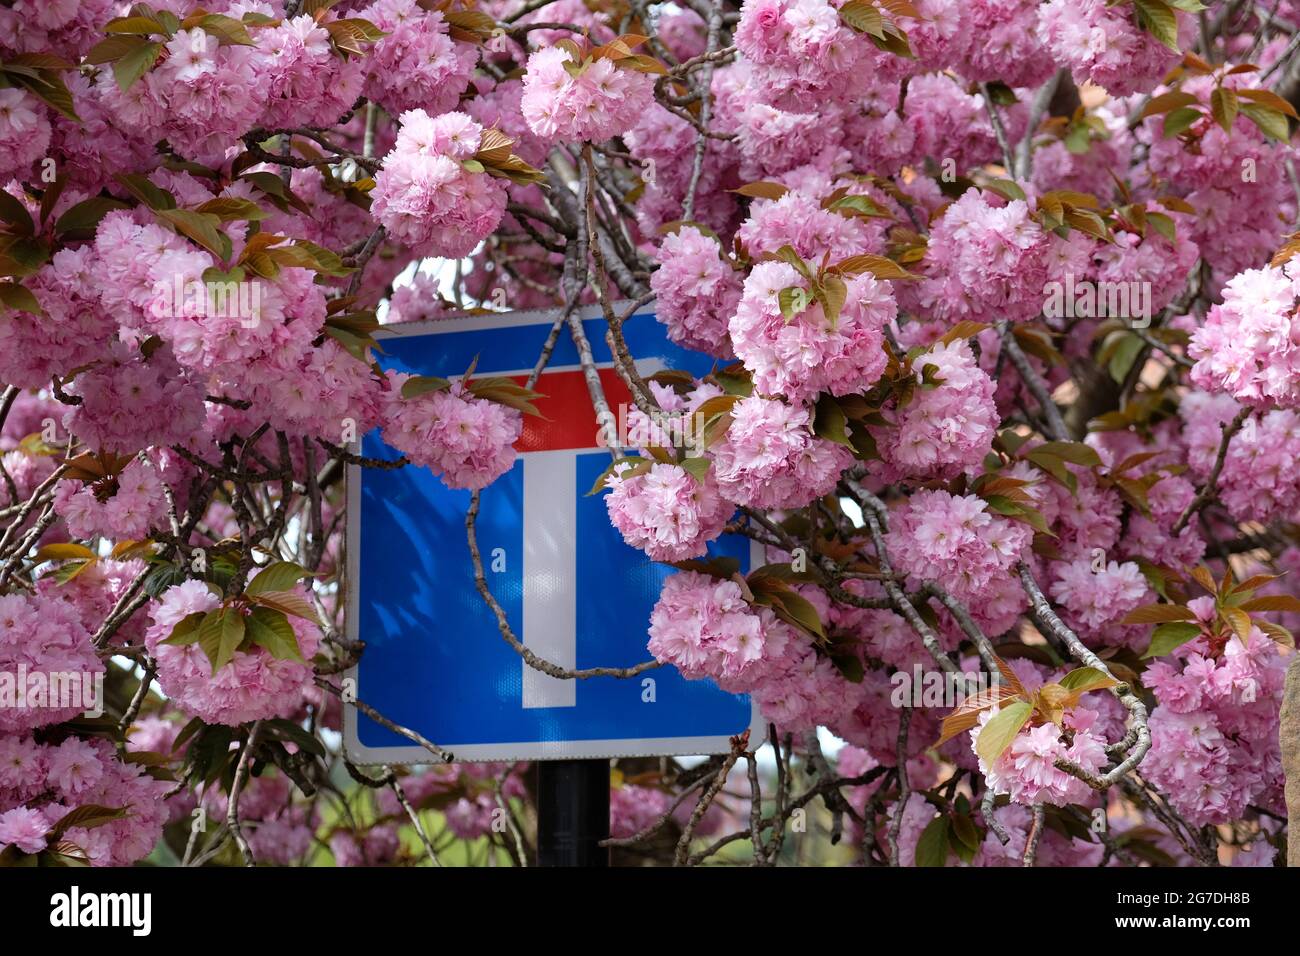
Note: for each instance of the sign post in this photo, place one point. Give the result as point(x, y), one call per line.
point(572, 812)
point(573, 591)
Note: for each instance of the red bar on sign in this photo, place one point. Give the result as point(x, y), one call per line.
point(568, 419)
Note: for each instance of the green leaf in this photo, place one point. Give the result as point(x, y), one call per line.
point(862, 17)
point(830, 422)
point(15, 213)
point(1075, 452)
point(963, 828)
point(136, 64)
point(186, 630)
point(288, 730)
point(637, 468)
point(1178, 120)
point(1056, 468)
point(697, 468)
point(146, 192)
point(932, 847)
point(859, 205)
point(1125, 354)
point(200, 227)
point(81, 220)
point(136, 25)
point(793, 300)
point(1158, 614)
point(418, 385)
point(277, 576)
point(271, 629)
point(14, 296)
point(308, 255)
point(232, 635)
point(210, 636)
point(87, 817)
point(1002, 729)
point(1270, 122)
point(227, 30)
point(832, 294)
point(114, 48)
point(788, 255)
point(801, 612)
point(1083, 679)
point(1005, 188)
point(1163, 225)
point(1224, 107)
point(1168, 637)
point(1157, 18)
point(232, 209)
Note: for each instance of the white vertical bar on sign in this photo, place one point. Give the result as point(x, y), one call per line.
point(550, 575)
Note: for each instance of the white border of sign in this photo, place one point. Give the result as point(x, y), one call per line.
point(360, 754)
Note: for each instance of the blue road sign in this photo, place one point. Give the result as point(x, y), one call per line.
point(574, 592)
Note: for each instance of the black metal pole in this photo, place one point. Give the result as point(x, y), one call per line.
point(572, 812)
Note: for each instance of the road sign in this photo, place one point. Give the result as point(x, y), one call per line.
point(574, 592)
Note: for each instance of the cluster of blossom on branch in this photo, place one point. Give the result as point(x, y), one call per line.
point(1001, 298)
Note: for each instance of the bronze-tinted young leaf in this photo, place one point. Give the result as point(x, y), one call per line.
point(86, 817)
point(227, 30)
point(964, 329)
point(309, 255)
point(63, 552)
point(1166, 102)
point(1238, 620)
point(231, 209)
point(878, 266)
point(290, 602)
point(1158, 614)
point(1269, 99)
point(967, 714)
point(1277, 633)
point(762, 190)
point(1273, 602)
